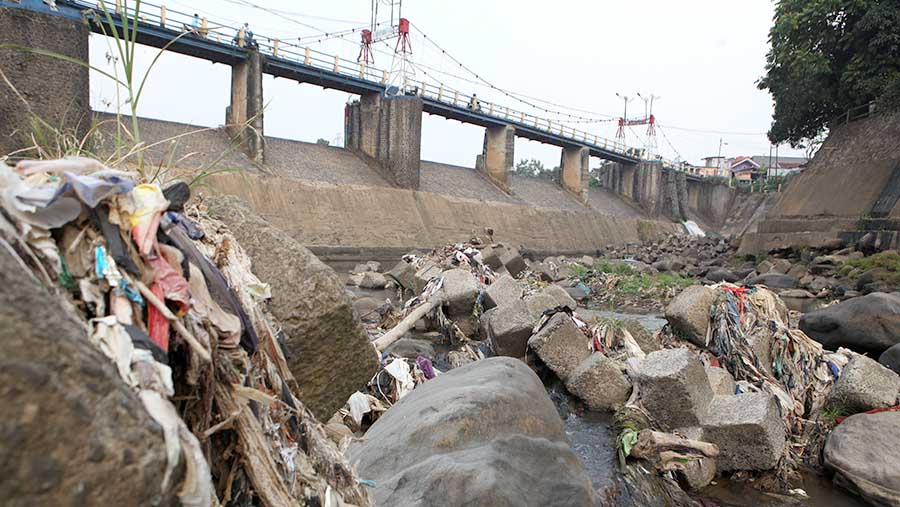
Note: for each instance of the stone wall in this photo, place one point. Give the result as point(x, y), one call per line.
point(56, 91)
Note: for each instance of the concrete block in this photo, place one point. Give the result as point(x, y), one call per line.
point(600, 383)
point(424, 274)
point(513, 262)
point(538, 303)
point(674, 387)
point(561, 345)
point(865, 384)
point(504, 290)
point(405, 274)
point(460, 291)
point(748, 430)
point(510, 328)
point(721, 382)
point(492, 254)
point(560, 296)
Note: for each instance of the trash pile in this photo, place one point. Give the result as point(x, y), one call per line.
point(751, 336)
point(169, 297)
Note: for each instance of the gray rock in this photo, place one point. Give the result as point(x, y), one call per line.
point(510, 328)
point(782, 266)
point(485, 434)
point(424, 274)
point(405, 274)
point(722, 275)
point(891, 358)
point(367, 309)
point(460, 292)
point(798, 271)
point(411, 348)
point(548, 272)
point(491, 255)
point(513, 262)
point(796, 293)
point(374, 266)
point(818, 284)
point(698, 473)
point(867, 324)
point(775, 281)
point(645, 339)
point(721, 382)
point(559, 296)
point(321, 329)
point(688, 313)
point(674, 387)
point(504, 290)
point(578, 293)
point(73, 433)
point(599, 382)
point(586, 261)
point(561, 345)
point(538, 303)
point(764, 267)
point(863, 385)
point(669, 264)
point(861, 452)
point(748, 430)
point(373, 280)
point(361, 268)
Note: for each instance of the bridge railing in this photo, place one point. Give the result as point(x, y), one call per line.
point(170, 19)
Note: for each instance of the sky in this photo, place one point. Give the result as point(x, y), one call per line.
point(702, 58)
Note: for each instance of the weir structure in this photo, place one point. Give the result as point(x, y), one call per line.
point(384, 127)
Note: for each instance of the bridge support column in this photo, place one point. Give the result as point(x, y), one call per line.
point(575, 171)
point(244, 117)
point(497, 155)
point(389, 131)
point(57, 92)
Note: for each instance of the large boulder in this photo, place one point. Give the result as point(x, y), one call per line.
point(863, 385)
point(688, 313)
point(674, 387)
point(485, 434)
point(862, 453)
point(891, 358)
point(561, 345)
point(72, 432)
point(326, 348)
point(867, 324)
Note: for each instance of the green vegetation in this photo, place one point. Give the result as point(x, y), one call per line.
point(643, 283)
point(826, 58)
point(887, 265)
point(533, 168)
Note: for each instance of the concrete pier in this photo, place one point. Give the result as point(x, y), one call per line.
point(498, 154)
point(244, 117)
point(575, 170)
point(388, 130)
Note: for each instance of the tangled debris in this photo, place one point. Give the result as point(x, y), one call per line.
point(170, 299)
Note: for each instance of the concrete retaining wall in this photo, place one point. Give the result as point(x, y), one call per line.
point(850, 188)
point(348, 221)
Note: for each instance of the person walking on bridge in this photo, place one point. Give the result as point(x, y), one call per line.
point(474, 105)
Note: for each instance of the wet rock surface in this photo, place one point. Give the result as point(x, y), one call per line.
point(70, 425)
point(859, 451)
point(484, 434)
point(868, 323)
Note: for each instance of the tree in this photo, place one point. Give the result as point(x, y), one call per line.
point(827, 57)
point(533, 168)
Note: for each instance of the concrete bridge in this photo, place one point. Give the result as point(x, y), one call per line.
point(384, 128)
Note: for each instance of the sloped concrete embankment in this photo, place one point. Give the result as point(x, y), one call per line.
point(346, 222)
point(850, 189)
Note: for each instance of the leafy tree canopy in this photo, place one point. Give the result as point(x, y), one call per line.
point(533, 168)
point(829, 56)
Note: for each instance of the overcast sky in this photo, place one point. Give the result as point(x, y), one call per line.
point(702, 57)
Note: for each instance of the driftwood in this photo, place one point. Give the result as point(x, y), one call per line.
point(671, 452)
point(407, 323)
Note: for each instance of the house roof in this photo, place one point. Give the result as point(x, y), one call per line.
point(783, 162)
point(741, 164)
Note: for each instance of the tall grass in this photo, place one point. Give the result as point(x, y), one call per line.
point(48, 141)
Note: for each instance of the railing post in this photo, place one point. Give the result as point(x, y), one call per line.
point(535, 122)
point(362, 70)
point(337, 61)
point(595, 140)
point(204, 28)
point(162, 16)
point(306, 57)
point(491, 109)
point(274, 46)
point(119, 7)
point(507, 112)
point(384, 77)
point(422, 91)
point(455, 97)
point(440, 93)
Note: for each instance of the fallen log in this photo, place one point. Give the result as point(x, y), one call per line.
point(407, 323)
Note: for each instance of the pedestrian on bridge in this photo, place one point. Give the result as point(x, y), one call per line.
point(474, 105)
